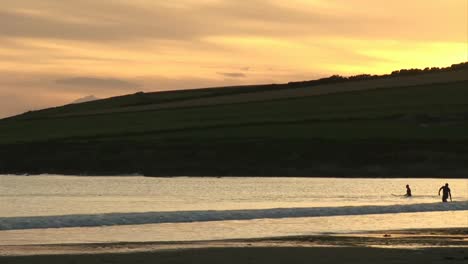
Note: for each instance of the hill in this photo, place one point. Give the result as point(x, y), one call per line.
point(408, 123)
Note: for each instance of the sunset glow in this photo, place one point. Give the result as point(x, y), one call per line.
point(120, 47)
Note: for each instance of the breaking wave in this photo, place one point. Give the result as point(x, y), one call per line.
point(113, 219)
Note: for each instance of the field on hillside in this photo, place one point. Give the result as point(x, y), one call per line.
point(405, 131)
point(424, 112)
point(243, 94)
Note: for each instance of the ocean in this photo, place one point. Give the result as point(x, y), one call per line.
point(54, 209)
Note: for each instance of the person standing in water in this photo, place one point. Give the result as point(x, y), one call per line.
point(445, 193)
point(408, 191)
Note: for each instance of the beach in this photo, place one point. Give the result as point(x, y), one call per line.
point(410, 246)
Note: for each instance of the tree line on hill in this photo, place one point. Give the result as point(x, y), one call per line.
point(362, 77)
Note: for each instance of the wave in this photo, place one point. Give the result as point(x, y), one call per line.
point(113, 219)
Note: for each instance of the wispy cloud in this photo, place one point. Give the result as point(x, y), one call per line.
point(233, 74)
point(127, 20)
point(85, 99)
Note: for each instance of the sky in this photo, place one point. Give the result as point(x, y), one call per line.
point(53, 52)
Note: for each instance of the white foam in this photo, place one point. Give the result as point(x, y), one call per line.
point(93, 220)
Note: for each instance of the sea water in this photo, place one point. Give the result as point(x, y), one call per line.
point(67, 209)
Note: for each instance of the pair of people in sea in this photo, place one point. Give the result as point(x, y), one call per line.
point(445, 192)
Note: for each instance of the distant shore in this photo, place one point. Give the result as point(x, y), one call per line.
point(295, 158)
point(411, 246)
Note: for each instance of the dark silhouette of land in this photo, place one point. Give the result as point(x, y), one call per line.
point(411, 123)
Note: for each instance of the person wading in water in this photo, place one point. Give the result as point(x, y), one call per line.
point(445, 193)
point(408, 191)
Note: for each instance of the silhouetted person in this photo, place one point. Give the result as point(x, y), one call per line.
point(445, 193)
point(408, 191)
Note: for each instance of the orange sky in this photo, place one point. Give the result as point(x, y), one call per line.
point(54, 51)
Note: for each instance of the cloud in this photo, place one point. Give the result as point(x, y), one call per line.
point(85, 99)
point(233, 74)
point(98, 83)
point(128, 20)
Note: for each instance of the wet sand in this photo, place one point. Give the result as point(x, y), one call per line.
point(415, 246)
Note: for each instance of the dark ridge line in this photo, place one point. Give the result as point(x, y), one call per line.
point(290, 85)
point(19, 118)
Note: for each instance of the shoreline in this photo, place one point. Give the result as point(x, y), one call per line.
point(330, 158)
point(401, 246)
point(396, 239)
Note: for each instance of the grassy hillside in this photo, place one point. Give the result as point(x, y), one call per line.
point(360, 129)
